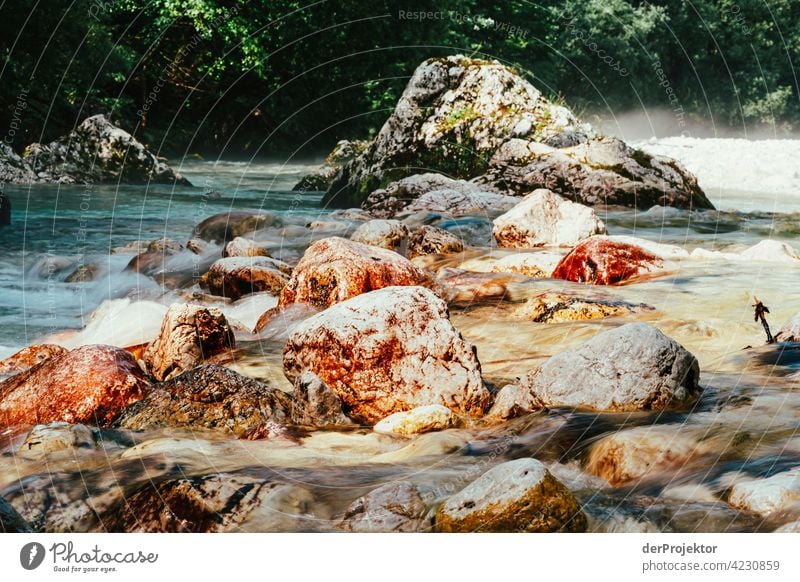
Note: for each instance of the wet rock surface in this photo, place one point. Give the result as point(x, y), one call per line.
point(315, 404)
point(601, 261)
point(561, 307)
point(387, 234)
point(333, 270)
point(517, 496)
point(243, 247)
point(394, 507)
point(388, 351)
point(11, 521)
point(429, 240)
point(90, 385)
point(27, 358)
point(235, 277)
point(209, 397)
point(632, 367)
point(190, 334)
point(418, 420)
point(226, 226)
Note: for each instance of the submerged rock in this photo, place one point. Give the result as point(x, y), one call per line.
point(418, 420)
point(388, 351)
point(10, 520)
point(208, 397)
point(315, 404)
point(464, 287)
point(153, 259)
point(602, 261)
point(778, 493)
point(190, 334)
point(27, 358)
point(537, 265)
point(560, 307)
point(45, 439)
point(454, 113)
point(636, 453)
point(387, 234)
point(83, 274)
point(517, 496)
point(235, 277)
point(226, 226)
point(98, 151)
point(335, 269)
point(394, 507)
point(598, 172)
point(221, 502)
point(546, 219)
point(89, 385)
point(632, 367)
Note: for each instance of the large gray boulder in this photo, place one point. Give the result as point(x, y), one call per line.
point(632, 367)
point(597, 172)
point(320, 179)
point(454, 113)
point(13, 169)
point(98, 151)
point(517, 496)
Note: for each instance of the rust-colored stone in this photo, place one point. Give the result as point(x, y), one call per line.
point(88, 385)
point(334, 269)
point(601, 261)
point(28, 357)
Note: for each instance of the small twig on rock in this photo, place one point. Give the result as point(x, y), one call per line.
point(760, 310)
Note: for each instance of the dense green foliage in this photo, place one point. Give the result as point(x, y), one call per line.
point(265, 76)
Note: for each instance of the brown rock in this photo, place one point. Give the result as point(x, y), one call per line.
point(226, 226)
point(28, 357)
point(243, 247)
point(334, 270)
point(235, 277)
point(429, 240)
point(88, 385)
point(208, 397)
point(154, 258)
point(390, 350)
point(560, 307)
point(315, 404)
point(189, 335)
point(600, 261)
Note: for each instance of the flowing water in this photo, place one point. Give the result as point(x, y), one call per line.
point(746, 424)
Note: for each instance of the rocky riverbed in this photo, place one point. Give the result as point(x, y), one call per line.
point(554, 333)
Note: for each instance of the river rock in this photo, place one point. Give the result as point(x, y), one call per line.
point(387, 234)
point(221, 502)
point(561, 307)
point(84, 274)
point(546, 219)
point(27, 358)
point(88, 385)
point(13, 169)
point(335, 269)
point(315, 404)
point(226, 226)
point(517, 496)
point(154, 258)
point(45, 439)
point(429, 240)
point(513, 400)
point(601, 261)
point(235, 277)
point(99, 151)
point(10, 520)
point(319, 180)
point(454, 113)
point(792, 527)
point(790, 332)
point(394, 507)
point(418, 420)
point(632, 454)
point(243, 247)
point(780, 492)
point(388, 351)
point(598, 172)
point(190, 334)
point(632, 367)
point(451, 202)
point(208, 397)
point(463, 287)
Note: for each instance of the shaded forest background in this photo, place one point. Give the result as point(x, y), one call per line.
point(261, 77)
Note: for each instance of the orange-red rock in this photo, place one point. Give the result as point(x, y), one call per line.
point(601, 261)
point(28, 357)
point(334, 269)
point(89, 385)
